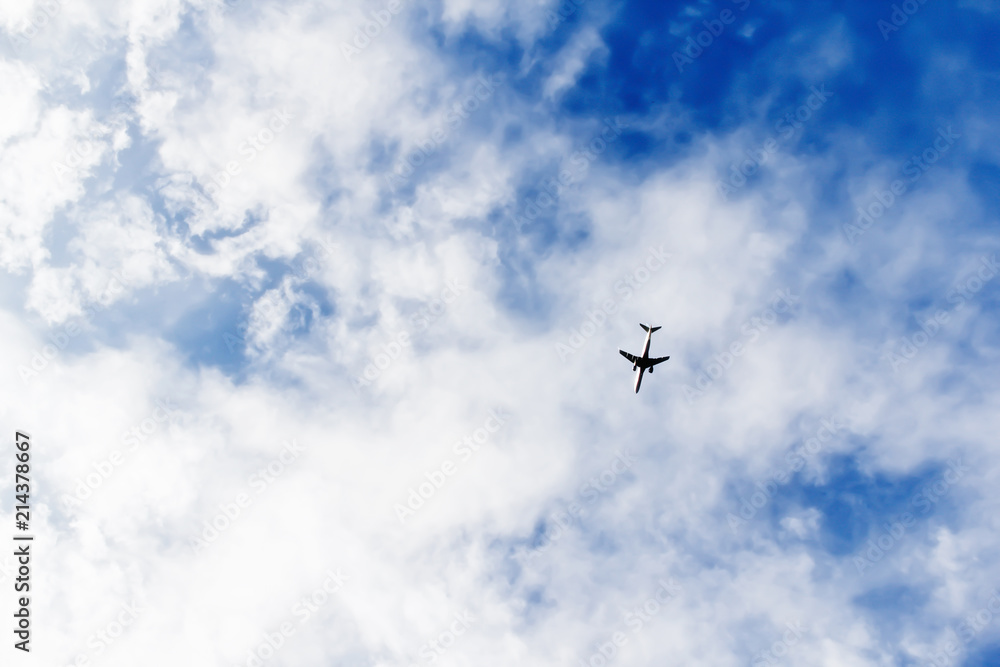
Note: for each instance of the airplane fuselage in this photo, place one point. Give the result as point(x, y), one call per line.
point(639, 370)
point(645, 346)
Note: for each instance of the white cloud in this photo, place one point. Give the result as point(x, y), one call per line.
point(332, 506)
point(573, 59)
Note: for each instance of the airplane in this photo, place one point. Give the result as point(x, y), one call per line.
point(643, 362)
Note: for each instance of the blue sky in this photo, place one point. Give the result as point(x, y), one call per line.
point(313, 310)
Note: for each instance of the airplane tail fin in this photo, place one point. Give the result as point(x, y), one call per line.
point(645, 328)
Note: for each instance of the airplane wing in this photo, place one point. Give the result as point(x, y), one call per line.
point(630, 357)
point(653, 362)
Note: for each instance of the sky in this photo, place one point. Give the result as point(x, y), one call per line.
point(311, 315)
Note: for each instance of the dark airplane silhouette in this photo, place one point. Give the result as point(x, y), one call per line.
point(643, 362)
